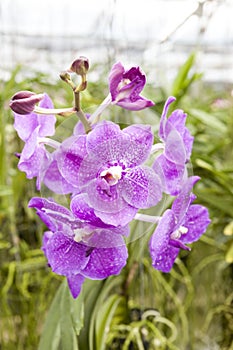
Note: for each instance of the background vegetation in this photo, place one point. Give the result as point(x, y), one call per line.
point(190, 308)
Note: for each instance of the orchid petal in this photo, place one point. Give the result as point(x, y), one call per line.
point(46, 122)
point(196, 221)
point(171, 174)
point(105, 262)
point(135, 105)
point(53, 179)
point(125, 87)
point(141, 141)
point(75, 283)
point(55, 216)
point(65, 256)
point(174, 148)
point(163, 119)
point(181, 204)
point(163, 255)
point(119, 218)
point(84, 212)
point(141, 187)
point(70, 157)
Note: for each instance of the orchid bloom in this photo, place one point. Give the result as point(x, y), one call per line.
point(184, 223)
point(125, 87)
point(33, 129)
point(177, 146)
point(107, 165)
point(80, 249)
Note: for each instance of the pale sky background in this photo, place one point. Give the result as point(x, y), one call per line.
point(49, 32)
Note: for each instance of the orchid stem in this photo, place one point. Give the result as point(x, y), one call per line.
point(95, 116)
point(50, 142)
point(80, 113)
point(60, 111)
point(157, 147)
point(147, 218)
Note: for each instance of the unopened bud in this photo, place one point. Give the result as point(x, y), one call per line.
point(80, 66)
point(65, 76)
point(23, 102)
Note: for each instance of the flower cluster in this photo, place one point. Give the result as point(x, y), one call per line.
point(110, 175)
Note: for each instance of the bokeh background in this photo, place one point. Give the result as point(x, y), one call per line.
point(186, 49)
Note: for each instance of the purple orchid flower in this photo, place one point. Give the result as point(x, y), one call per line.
point(125, 87)
point(107, 165)
point(52, 177)
point(184, 223)
point(78, 245)
point(177, 144)
point(32, 128)
point(50, 174)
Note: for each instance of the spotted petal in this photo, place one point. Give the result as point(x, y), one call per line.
point(108, 201)
point(105, 262)
point(53, 179)
point(107, 142)
point(55, 216)
point(75, 284)
point(65, 256)
point(139, 147)
point(141, 187)
point(70, 157)
point(174, 148)
point(196, 221)
point(177, 120)
point(119, 218)
point(171, 174)
point(84, 212)
point(181, 204)
point(162, 253)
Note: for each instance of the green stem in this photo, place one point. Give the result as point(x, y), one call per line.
point(80, 113)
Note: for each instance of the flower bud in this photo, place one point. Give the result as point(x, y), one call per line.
point(80, 66)
point(65, 76)
point(23, 102)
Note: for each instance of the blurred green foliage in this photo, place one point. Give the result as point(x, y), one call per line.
point(190, 308)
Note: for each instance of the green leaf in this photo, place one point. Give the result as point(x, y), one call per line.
point(68, 334)
point(107, 287)
point(182, 82)
point(5, 191)
point(104, 319)
point(90, 292)
point(208, 119)
point(51, 335)
point(224, 204)
point(77, 312)
point(64, 321)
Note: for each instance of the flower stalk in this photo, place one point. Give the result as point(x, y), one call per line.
point(147, 218)
point(64, 112)
point(80, 113)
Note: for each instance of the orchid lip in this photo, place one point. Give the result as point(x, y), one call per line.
point(178, 244)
